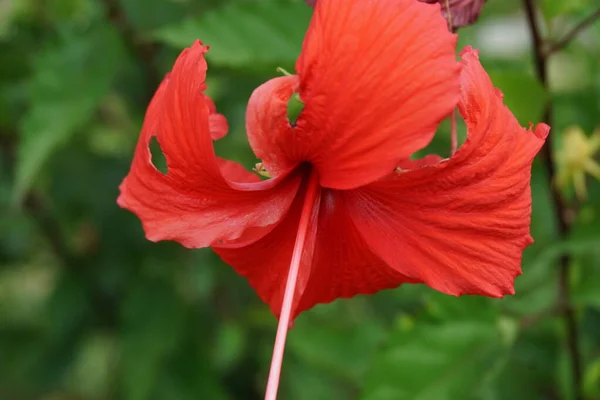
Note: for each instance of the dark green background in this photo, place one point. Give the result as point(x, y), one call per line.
point(90, 310)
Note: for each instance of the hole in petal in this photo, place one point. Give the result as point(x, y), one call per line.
point(294, 108)
point(158, 158)
point(441, 143)
point(234, 145)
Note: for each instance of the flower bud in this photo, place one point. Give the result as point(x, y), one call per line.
point(576, 159)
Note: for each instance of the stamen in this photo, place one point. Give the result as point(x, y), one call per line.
point(259, 168)
point(453, 137)
point(283, 71)
point(449, 14)
point(453, 134)
point(312, 194)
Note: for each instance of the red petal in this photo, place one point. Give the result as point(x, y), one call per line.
point(266, 262)
point(341, 265)
point(201, 200)
point(217, 123)
point(344, 265)
point(235, 172)
point(269, 132)
point(374, 96)
point(459, 226)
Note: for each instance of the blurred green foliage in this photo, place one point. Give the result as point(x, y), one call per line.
point(90, 310)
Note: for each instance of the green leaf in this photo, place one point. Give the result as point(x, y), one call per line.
point(586, 289)
point(523, 94)
point(555, 8)
point(72, 12)
point(145, 15)
point(230, 346)
point(587, 266)
point(435, 362)
point(307, 383)
point(14, 72)
point(154, 321)
point(543, 221)
point(444, 307)
point(587, 282)
point(591, 381)
point(69, 83)
point(339, 346)
point(242, 34)
point(573, 247)
point(536, 287)
point(330, 351)
point(528, 370)
point(91, 371)
point(8, 13)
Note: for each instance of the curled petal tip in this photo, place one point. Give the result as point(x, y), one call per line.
point(197, 45)
point(541, 130)
point(511, 290)
point(218, 126)
point(468, 51)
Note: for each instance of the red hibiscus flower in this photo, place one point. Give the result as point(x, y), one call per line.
point(346, 211)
